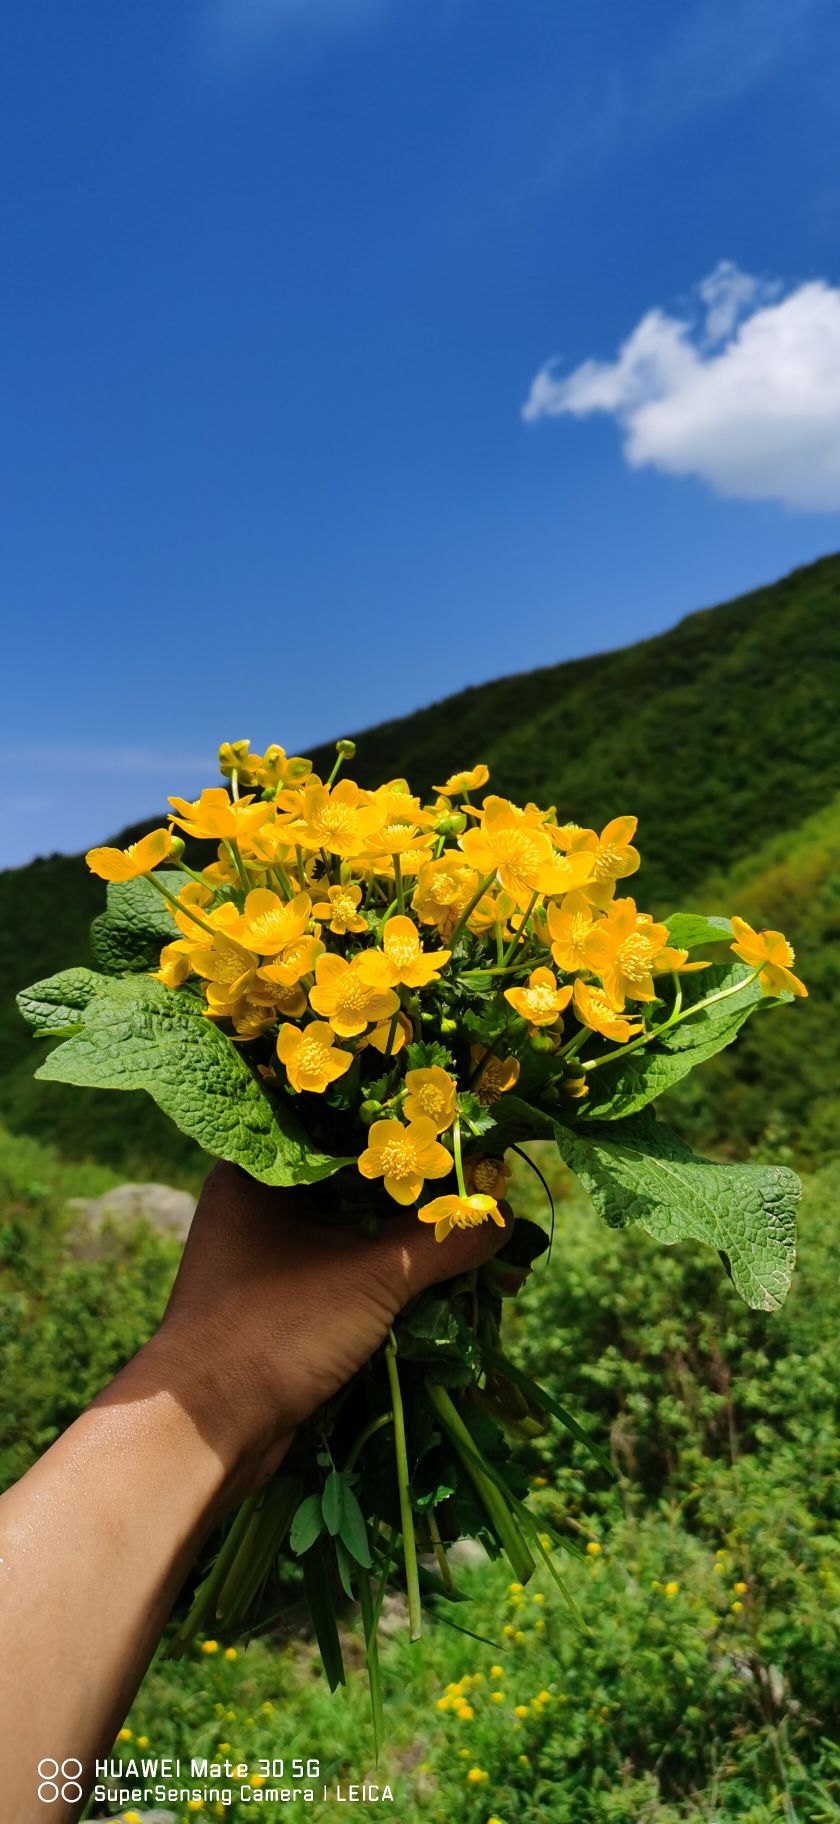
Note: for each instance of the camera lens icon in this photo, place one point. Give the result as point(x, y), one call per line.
point(59, 1780)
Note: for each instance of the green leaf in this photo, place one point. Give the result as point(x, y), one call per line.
point(307, 1526)
point(332, 1502)
point(319, 1595)
point(137, 1034)
point(59, 999)
point(495, 1359)
point(353, 1531)
point(627, 1084)
point(687, 930)
point(421, 1056)
point(641, 1172)
point(130, 934)
point(346, 1568)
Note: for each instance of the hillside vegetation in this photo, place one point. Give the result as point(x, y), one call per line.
point(722, 735)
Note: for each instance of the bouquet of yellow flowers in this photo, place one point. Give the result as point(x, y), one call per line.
point(356, 986)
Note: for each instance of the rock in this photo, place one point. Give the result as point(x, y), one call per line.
point(162, 1207)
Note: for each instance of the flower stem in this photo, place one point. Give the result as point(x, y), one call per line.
point(674, 1019)
point(398, 882)
point(187, 910)
point(412, 1576)
point(503, 1520)
point(459, 1164)
point(519, 932)
point(469, 908)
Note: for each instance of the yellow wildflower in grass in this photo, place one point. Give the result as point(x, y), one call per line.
point(477, 1776)
point(142, 1741)
point(346, 999)
point(402, 958)
point(431, 1092)
point(625, 948)
point(209, 1646)
point(497, 1671)
point(341, 910)
point(465, 1712)
point(498, 1075)
point(311, 1060)
point(740, 1589)
point(594, 1010)
point(520, 854)
point(125, 1735)
point(770, 952)
point(672, 1588)
point(497, 1697)
point(613, 857)
point(520, 1710)
point(487, 1176)
point(568, 925)
point(455, 1212)
point(736, 1607)
point(542, 1002)
point(231, 1653)
point(404, 1157)
point(470, 781)
point(594, 1548)
point(128, 864)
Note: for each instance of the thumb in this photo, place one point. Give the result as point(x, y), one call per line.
point(419, 1261)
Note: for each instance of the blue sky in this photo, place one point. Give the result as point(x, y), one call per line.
point(280, 278)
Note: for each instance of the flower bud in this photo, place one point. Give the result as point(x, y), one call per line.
point(370, 1111)
point(345, 749)
point(448, 1025)
point(542, 1041)
point(452, 825)
point(177, 848)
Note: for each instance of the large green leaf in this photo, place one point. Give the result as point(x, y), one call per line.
point(638, 1171)
point(59, 1000)
point(137, 922)
point(136, 1034)
point(687, 930)
point(627, 1084)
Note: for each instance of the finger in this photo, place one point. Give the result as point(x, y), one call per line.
point(420, 1261)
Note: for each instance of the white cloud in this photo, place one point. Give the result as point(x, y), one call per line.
point(744, 393)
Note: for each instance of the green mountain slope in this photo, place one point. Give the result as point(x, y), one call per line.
point(722, 735)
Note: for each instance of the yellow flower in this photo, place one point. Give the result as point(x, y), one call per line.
point(402, 958)
point(209, 1646)
point(277, 768)
point(341, 909)
point(497, 1671)
point(404, 1157)
point(124, 1735)
point(569, 923)
point(612, 856)
point(272, 1000)
point(227, 968)
point(444, 890)
point(767, 950)
point(593, 1548)
point(218, 817)
point(520, 854)
point(470, 781)
point(486, 1175)
point(142, 1741)
point(594, 1010)
point(431, 1092)
point(337, 820)
point(175, 965)
point(497, 1697)
point(542, 1002)
point(403, 1032)
point(477, 1775)
point(128, 864)
point(624, 949)
point(740, 1589)
point(736, 1607)
point(293, 962)
point(309, 1056)
point(515, 1589)
point(346, 1000)
point(454, 1212)
point(497, 1076)
point(520, 1709)
point(231, 1653)
point(672, 1588)
point(465, 1712)
point(270, 923)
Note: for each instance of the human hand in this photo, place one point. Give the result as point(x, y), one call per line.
point(275, 1313)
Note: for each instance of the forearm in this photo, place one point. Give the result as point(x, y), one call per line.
point(94, 1543)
